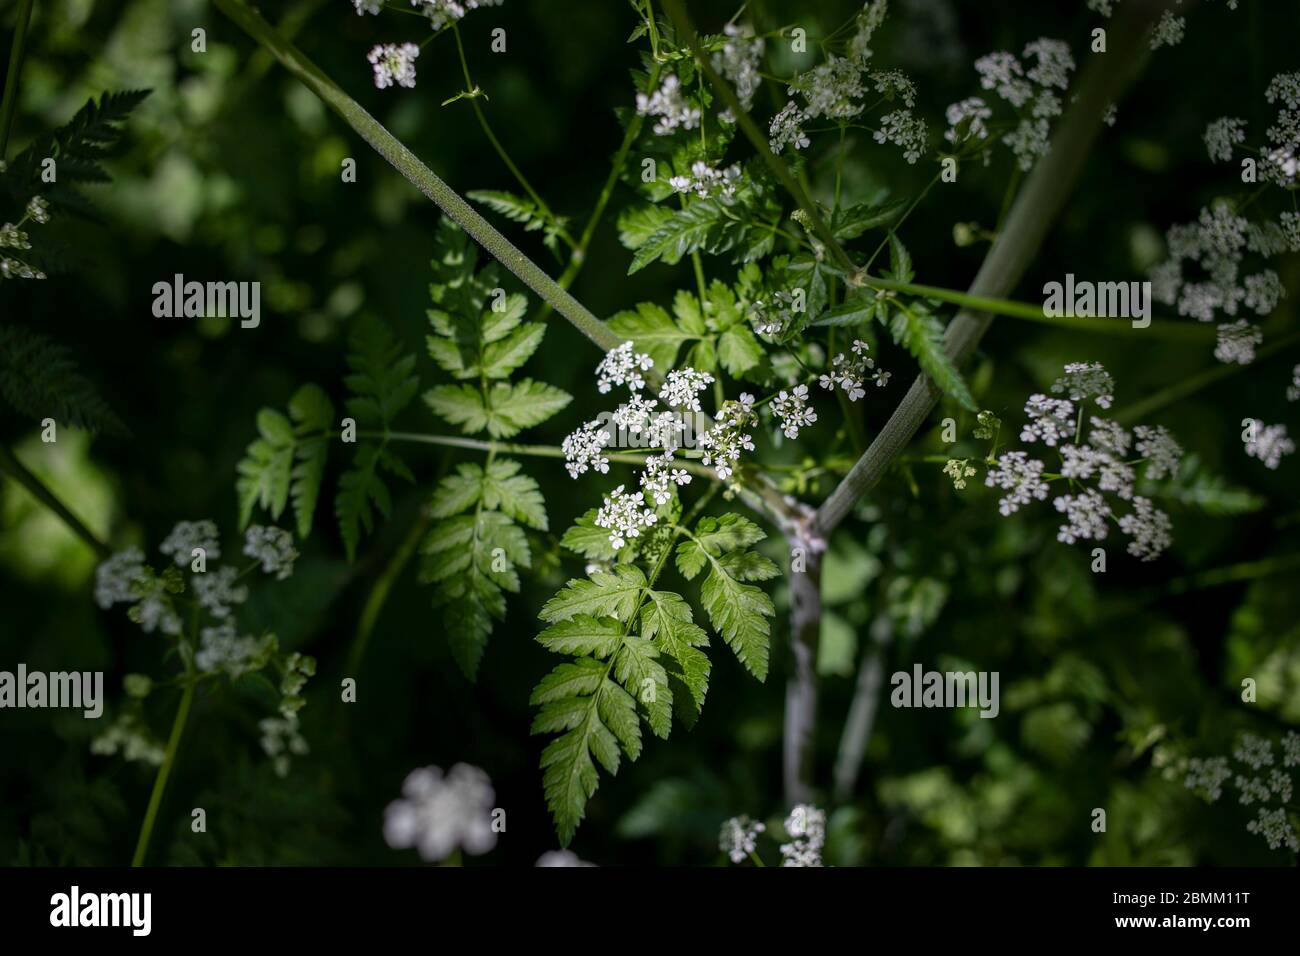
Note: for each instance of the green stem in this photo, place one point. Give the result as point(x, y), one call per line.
point(1041, 198)
point(379, 593)
point(16, 52)
point(677, 11)
point(21, 474)
point(1165, 329)
point(1180, 390)
point(471, 90)
point(418, 174)
point(164, 771)
point(534, 451)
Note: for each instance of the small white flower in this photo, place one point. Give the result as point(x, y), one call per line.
point(682, 387)
point(189, 535)
point(739, 837)
point(394, 64)
point(1222, 135)
point(1163, 455)
point(1149, 527)
point(622, 366)
point(1237, 341)
point(115, 575)
point(966, 120)
point(585, 449)
point(787, 129)
point(217, 591)
point(1169, 31)
point(368, 6)
point(1085, 516)
point(793, 411)
point(38, 210)
point(738, 62)
point(1050, 420)
point(273, 548)
point(224, 649)
point(1274, 827)
point(1021, 477)
point(561, 858)
point(670, 105)
point(1084, 380)
point(1271, 444)
point(806, 827)
point(438, 814)
point(282, 740)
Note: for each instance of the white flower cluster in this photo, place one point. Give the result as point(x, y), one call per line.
point(793, 411)
point(13, 237)
point(724, 442)
point(438, 814)
point(1293, 390)
point(115, 576)
point(1222, 135)
point(1269, 445)
point(850, 372)
point(223, 649)
point(189, 536)
point(706, 181)
point(1032, 84)
point(281, 741)
point(1096, 457)
point(966, 120)
point(1206, 777)
point(217, 591)
point(738, 63)
point(806, 827)
point(774, 314)
point(561, 858)
point(739, 837)
point(670, 105)
point(959, 469)
point(129, 736)
point(393, 64)
point(272, 548)
point(1217, 243)
point(442, 13)
point(1086, 380)
point(626, 514)
point(834, 90)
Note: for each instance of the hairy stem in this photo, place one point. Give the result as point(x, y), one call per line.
point(164, 771)
point(10, 465)
point(16, 52)
point(801, 688)
point(418, 174)
point(379, 593)
point(1035, 208)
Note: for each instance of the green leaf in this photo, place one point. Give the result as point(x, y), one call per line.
point(508, 409)
point(852, 311)
point(583, 635)
point(637, 224)
point(313, 415)
point(852, 221)
point(636, 667)
point(739, 351)
point(739, 612)
point(586, 539)
point(651, 331)
point(921, 334)
point(900, 260)
point(666, 619)
point(265, 471)
point(39, 379)
point(382, 379)
point(615, 593)
point(514, 208)
point(362, 491)
point(701, 225)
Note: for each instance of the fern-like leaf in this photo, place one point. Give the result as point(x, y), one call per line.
point(39, 379)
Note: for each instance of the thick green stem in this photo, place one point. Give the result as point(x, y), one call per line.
point(10, 465)
point(418, 174)
point(16, 51)
point(164, 771)
point(1035, 209)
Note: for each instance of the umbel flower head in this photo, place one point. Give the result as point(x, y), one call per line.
point(394, 64)
point(439, 813)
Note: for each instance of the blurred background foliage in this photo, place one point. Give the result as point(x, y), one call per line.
point(231, 171)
